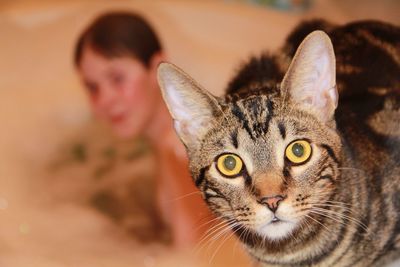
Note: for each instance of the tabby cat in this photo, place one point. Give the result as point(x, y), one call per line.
point(302, 178)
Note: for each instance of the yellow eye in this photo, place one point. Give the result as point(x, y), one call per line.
point(229, 165)
point(298, 151)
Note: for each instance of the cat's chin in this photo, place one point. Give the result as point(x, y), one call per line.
point(276, 231)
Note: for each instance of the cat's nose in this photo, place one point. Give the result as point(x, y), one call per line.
point(272, 202)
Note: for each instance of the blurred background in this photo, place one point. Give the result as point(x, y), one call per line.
point(57, 170)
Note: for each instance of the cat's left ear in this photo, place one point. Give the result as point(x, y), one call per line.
point(192, 107)
point(311, 78)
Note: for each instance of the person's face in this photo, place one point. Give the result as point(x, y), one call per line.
point(122, 91)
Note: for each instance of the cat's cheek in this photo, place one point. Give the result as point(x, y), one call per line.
point(286, 212)
point(262, 216)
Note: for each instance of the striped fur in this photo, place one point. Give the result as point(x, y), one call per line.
point(342, 206)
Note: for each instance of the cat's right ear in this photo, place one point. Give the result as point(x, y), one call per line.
point(311, 78)
point(191, 107)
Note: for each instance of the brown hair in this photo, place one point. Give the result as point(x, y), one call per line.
point(119, 33)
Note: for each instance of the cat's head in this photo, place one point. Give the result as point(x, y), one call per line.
point(263, 161)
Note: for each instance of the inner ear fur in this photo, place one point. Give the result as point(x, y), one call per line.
point(311, 78)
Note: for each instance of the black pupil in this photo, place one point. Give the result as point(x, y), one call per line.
point(298, 150)
point(230, 163)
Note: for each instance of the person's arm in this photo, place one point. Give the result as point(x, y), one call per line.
point(180, 201)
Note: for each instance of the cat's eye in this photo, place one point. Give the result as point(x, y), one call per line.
point(229, 165)
point(298, 151)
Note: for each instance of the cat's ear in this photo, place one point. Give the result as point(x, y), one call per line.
point(311, 78)
point(191, 107)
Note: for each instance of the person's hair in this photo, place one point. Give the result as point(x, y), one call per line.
point(118, 34)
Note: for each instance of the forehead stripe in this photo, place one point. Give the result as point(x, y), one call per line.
point(270, 107)
point(234, 138)
point(240, 115)
point(330, 152)
point(199, 180)
point(282, 130)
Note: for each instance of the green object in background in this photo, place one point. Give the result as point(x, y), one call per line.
point(109, 153)
point(142, 146)
point(79, 152)
point(287, 5)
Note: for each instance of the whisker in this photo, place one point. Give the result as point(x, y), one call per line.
point(331, 205)
point(223, 241)
point(320, 223)
point(219, 235)
point(210, 232)
point(338, 215)
point(184, 196)
point(344, 216)
point(327, 216)
point(215, 230)
point(339, 202)
point(208, 222)
point(351, 169)
point(215, 227)
point(239, 238)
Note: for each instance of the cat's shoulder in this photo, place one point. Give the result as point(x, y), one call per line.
point(367, 58)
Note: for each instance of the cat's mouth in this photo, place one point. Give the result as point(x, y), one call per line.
point(276, 228)
point(276, 220)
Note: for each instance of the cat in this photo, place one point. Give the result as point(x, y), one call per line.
point(301, 177)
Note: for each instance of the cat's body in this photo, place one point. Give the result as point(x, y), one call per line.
point(300, 183)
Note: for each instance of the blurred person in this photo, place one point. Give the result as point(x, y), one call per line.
point(116, 58)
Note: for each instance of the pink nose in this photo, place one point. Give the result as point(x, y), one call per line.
point(272, 202)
